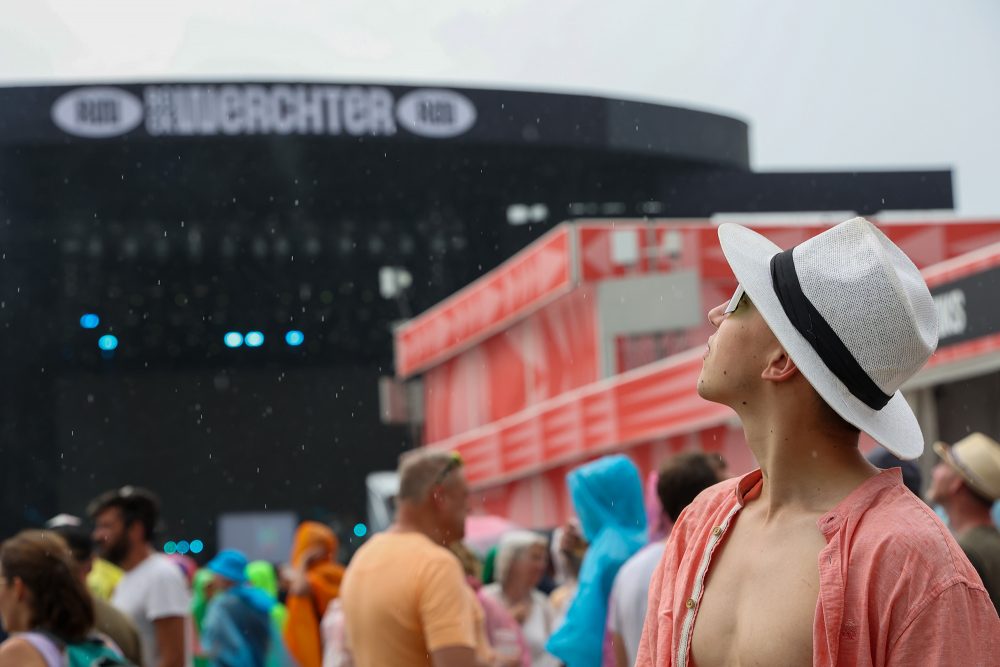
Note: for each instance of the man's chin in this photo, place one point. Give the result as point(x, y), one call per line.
point(705, 390)
point(114, 557)
point(711, 393)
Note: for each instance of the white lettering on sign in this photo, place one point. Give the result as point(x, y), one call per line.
point(97, 112)
point(951, 315)
point(436, 113)
point(277, 109)
point(248, 109)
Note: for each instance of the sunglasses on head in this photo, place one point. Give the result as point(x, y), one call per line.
point(454, 461)
point(734, 303)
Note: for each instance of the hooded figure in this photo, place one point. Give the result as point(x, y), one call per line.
point(607, 497)
point(237, 628)
point(313, 559)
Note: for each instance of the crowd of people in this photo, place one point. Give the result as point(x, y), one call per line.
point(414, 594)
point(818, 556)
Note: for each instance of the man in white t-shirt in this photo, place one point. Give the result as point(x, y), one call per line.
point(681, 479)
point(153, 592)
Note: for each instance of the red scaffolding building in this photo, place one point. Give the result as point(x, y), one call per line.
point(590, 341)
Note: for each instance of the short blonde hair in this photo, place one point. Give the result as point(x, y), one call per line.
point(512, 545)
point(420, 469)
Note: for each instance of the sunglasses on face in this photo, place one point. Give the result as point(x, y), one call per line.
point(734, 303)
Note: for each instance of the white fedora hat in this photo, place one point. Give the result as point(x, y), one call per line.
point(853, 313)
point(976, 458)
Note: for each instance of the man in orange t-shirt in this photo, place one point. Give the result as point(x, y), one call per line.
point(817, 557)
point(404, 594)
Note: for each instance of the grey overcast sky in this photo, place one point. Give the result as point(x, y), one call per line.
point(837, 85)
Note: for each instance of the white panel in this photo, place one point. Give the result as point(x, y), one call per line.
point(625, 247)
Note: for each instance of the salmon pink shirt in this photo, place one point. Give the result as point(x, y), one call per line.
point(895, 588)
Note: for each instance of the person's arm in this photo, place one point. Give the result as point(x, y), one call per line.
point(649, 643)
point(456, 656)
point(621, 658)
point(168, 606)
point(169, 632)
point(446, 616)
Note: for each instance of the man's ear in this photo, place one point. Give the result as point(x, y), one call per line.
point(136, 532)
point(20, 590)
point(780, 367)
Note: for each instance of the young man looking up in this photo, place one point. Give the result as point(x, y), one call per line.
point(153, 592)
point(817, 557)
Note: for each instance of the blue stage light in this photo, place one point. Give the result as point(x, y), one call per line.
point(90, 321)
point(254, 339)
point(107, 342)
point(295, 338)
point(183, 547)
point(170, 547)
point(360, 530)
point(233, 339)
point(197, 546)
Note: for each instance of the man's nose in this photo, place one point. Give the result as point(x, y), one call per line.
point(717, 314)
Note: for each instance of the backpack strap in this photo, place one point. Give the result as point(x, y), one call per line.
point(48, 645)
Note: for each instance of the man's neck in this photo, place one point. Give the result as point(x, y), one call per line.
point(807, 469)
point(408, 520)
point(136, 557)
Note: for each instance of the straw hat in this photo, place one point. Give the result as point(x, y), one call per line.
point(853, 313)
point(977, 459)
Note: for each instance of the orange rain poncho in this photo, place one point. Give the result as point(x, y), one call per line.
point(302, 634)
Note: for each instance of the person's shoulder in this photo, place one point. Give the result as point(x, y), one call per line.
point(161, 569)
point(156, 562)
point(227, 603)
point(492, 590)
point(420, 546)
point(17, 651)
point(106, 614)
point(639, 562)
point(984, 539)
point(410, 548)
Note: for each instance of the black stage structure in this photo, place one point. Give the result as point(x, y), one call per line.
point(177, 212)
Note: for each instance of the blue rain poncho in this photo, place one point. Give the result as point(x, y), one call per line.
point(607, 497)
point(238, 631)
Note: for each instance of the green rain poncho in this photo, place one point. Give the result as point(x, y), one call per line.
point(261, 574)
point(199, 604)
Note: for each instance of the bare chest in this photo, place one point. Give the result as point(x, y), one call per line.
point(760, 596)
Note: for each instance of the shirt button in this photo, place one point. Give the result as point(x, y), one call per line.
point(690, 603)
point(717, 531)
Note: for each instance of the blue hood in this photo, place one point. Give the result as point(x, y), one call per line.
point(607, 493)
point(607, 497)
